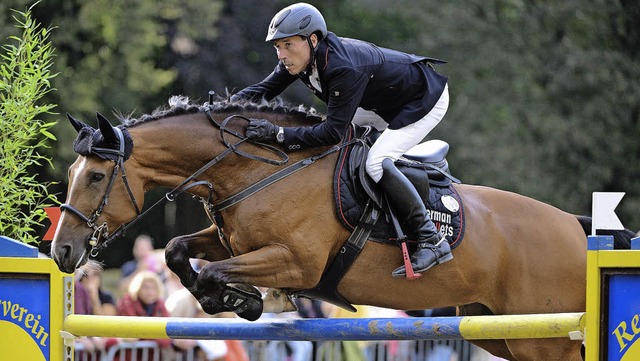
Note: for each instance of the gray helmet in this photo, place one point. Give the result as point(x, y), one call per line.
point(297, 19)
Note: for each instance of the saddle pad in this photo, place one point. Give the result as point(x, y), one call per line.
point(442, 202)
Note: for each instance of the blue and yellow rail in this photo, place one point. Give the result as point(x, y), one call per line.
point(410, 328)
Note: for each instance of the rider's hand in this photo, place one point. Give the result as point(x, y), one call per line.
point(261, 130)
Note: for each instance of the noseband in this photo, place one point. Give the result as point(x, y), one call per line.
point(102, 230)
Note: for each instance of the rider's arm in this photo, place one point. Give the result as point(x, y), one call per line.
point(274, 84)
point(346, 86)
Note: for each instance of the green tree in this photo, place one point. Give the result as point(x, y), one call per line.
point(24, 80)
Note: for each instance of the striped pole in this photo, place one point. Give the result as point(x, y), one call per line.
point(411, 328)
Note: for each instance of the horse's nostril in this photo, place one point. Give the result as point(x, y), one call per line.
point(63, 252)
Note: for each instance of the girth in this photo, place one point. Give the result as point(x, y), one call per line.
point(327, 288)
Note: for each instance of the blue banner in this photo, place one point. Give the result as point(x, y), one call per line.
point(25, 303)
point(624, 317)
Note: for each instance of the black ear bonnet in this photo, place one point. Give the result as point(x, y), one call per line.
point(106, 142)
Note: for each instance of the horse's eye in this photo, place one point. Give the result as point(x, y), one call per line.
point(97, 177)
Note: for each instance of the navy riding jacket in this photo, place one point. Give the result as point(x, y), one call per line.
point(401, 88)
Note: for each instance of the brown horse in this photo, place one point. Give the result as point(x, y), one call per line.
point(519, 255)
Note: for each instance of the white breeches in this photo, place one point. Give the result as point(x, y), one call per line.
point(393, 143)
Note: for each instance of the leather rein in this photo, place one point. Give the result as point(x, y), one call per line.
point(102, 231)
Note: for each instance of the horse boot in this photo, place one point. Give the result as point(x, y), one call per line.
point(244, 300)
point(406, 203)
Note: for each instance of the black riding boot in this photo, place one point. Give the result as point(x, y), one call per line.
point(408, 207)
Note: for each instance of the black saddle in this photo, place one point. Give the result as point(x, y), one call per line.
point(425, 166)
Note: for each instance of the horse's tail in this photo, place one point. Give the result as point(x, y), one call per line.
point(621, 238)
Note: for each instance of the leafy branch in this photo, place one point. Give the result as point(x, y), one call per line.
point(25, 74)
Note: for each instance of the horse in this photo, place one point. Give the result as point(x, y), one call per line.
point(518, 256)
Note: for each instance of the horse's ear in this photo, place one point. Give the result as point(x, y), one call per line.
point(107, 129)
point(77, 125)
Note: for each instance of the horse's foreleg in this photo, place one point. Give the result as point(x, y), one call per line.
point(204, 244)
point(225, 282)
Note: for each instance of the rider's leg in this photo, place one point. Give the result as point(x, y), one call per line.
point(408, 206)
point(402, 196)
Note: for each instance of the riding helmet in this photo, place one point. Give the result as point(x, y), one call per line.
point(297, 19)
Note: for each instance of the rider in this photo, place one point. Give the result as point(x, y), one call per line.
point(403, 89)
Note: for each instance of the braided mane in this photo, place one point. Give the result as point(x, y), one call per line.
point(179, 105)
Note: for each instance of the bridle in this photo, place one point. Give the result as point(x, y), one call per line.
point(91, 221)
point(102, 231)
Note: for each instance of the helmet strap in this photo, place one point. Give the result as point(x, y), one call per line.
point(313, 54)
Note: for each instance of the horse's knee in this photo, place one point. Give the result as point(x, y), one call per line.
point(175, 253)
point(210, 278)
point(176, 256)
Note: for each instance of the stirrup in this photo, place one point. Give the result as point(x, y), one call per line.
point(409, 271)
point(408, 267)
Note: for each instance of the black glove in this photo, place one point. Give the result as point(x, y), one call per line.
point(261, 130)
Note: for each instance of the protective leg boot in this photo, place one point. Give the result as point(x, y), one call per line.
point(411, 212)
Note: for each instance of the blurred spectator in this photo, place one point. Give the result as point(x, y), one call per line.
point(88, 302)
point(82, 306)
point(81, 297)
point(348, 350)
point(102, 301)
point(144, 259)
point(295, 350)
point(144, 298)
point(182, 304)
point(433, 312)
point(439, 352)
point(142, 252)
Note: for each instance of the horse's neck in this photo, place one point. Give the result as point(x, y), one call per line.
point(170, 151)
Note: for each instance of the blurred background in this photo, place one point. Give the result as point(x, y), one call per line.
point(544, 94)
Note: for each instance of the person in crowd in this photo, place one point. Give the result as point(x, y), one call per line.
point(308, 308)
point(102, 301)
point(82, 306)
point(90, 299)
point(403, 89)
point(182, 304)
point(142, 251)
point(144, 259)
point(144, 297)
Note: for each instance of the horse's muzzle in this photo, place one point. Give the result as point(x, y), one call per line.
point(66, 259)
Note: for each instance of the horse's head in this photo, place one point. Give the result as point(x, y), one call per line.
point(101, 196)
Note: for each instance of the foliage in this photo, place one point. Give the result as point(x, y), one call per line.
point(24, 80)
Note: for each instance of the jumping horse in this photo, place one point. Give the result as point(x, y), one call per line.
point(519, 255)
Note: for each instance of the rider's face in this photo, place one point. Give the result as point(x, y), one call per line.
point(294, 53)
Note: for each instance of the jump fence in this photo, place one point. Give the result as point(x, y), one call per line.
point(39, 323)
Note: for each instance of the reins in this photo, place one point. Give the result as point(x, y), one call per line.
point(191, 181)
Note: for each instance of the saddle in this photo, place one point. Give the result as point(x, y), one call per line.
point(425, 165)
point(360, 204)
